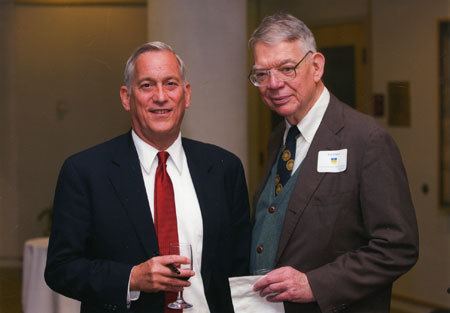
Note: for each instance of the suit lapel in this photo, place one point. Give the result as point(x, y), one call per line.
point(275, 142)
point(126, 177)
point(201, 169)
point(309, 179)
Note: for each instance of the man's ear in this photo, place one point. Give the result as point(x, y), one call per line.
point(318, 65)
point(187, 94)
point(125, 98)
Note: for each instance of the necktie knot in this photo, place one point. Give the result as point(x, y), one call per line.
point(292, 134)
point(162, 157)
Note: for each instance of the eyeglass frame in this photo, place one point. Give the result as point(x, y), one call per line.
point(294, 68)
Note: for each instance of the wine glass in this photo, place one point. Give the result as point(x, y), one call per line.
point(183, 249)
point(261, 271)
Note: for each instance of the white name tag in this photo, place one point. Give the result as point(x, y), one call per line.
point(332, 161)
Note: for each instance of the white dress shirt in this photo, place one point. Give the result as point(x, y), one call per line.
point(308, 127)
point(189, 217)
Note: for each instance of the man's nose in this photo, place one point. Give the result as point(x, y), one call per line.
point(274, 81)
point(160, 95)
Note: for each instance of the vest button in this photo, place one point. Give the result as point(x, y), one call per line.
point(259, 249)
point(271, 210)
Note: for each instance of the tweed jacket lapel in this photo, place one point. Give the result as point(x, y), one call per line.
point(309, 178)
point(275, 142)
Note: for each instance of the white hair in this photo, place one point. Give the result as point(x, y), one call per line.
point(283, 27)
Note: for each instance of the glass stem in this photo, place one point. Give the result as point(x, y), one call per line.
point(180, 296)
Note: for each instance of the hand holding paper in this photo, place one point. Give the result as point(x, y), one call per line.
point(285, 284)
point(245, 299)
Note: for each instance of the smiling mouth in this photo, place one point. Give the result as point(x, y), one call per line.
point(161, 111)
point(280, 100)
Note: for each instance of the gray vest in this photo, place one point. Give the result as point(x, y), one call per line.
point(269, 219)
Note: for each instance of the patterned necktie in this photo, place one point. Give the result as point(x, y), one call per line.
point(286, 160)
point(165, 216)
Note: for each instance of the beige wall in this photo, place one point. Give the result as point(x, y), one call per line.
point(8, 171)
point(66, 66)
point(210, 37)
point(405, 47)
point(319, 12)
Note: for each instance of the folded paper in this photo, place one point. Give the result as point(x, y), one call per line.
point(246, 300)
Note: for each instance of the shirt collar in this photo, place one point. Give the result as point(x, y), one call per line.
point(147, 153)
point(310, 123)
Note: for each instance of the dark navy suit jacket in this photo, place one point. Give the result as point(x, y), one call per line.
point(102, 225)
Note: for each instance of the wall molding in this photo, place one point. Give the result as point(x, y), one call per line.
point(83, 2)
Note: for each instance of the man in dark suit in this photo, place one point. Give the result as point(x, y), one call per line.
point(334, 217)
point(105, 247)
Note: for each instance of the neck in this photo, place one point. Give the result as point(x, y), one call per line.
point(300, 114)
point(159, 142)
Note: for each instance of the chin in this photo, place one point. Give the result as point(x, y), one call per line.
point(284, 112)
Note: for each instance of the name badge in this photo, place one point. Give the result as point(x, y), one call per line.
point(332, 161)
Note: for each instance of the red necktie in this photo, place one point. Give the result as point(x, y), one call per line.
point(165, 216)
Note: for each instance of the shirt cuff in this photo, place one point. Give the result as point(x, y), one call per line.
point(131, 295)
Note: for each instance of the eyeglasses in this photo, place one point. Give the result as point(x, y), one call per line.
point(284, 73)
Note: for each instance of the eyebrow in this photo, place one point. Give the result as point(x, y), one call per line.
point(163, 80)
point(278, 64)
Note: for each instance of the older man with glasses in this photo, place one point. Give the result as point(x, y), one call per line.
point(334, 221)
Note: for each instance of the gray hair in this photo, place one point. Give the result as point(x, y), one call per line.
point(283, 27)
point(128, 74)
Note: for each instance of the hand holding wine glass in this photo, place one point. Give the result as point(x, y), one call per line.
point(160, 274)
point(182, 249)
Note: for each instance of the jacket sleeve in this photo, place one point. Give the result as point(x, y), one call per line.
point(390, 226)
point(71, 270)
